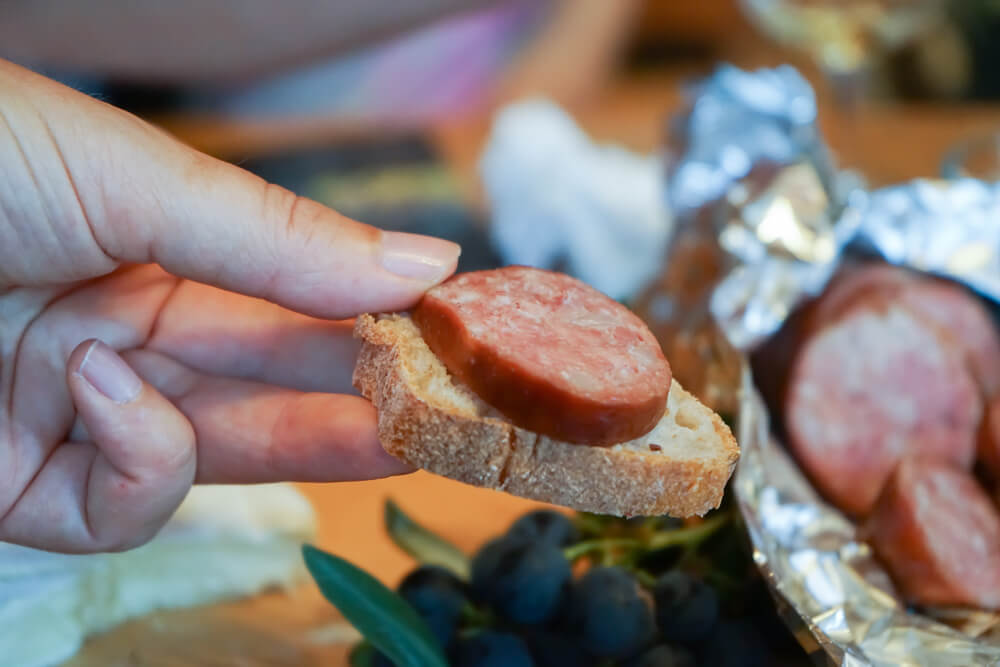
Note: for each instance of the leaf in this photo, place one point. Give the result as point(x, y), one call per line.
point(380, 615)
point(591, 524)
point(362, 655)
point(422, 544)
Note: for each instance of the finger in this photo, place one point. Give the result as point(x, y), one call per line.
point(226, 334)
point(120, 310)
point(250, 432)
point(116, 491)
point(112, 189)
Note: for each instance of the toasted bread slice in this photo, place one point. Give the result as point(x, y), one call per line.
point(428, 420)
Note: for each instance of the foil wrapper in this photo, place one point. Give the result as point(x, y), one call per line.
point(735, 120)
point(826, 580)
point(948, 228)
point(787, 218)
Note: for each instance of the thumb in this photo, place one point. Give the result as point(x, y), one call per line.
point(122, 191)
point(146, 458)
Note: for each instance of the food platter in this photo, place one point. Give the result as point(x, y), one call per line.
point(787, 221)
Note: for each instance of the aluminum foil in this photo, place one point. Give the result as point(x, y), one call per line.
point(788, 218)
point(737, 119)
point(948, 228)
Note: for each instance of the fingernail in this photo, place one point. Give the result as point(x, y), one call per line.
point(108, 373)
point(418, 257)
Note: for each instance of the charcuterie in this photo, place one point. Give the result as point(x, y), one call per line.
point(877, 384)
point(550, 353)
point(939, 533)
point(530, 382)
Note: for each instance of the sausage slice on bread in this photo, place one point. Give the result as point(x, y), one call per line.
point(429, 418)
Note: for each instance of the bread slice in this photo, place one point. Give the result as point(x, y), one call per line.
point(430, 421)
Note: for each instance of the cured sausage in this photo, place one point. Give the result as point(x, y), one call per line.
point(958, 315)
point(876, 385)
point(961, 317)
point(855, 284)
point(550, 353)
point(939, 534)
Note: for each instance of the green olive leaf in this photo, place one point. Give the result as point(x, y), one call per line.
point(592, 525)
point(362, 655)
point(380, 615)
point(423, 545)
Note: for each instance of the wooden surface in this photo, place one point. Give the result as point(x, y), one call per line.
point(888, 143)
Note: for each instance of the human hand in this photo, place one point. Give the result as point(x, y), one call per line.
point(213, 295)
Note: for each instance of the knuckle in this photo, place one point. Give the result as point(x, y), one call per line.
point(282, 206)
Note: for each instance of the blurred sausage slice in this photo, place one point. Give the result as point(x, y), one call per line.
point(939, 534)
point(958, 314)
point(552, 354)
point(874, 386)
point(962, 317)
point(854, 284)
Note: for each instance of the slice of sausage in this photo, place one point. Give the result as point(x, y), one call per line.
point(958, 315)
point(874, 386)
point(938, 533)
point(552, 354)
point(855, 284)
point(964, 319)
point(772, 360)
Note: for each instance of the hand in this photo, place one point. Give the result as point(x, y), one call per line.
point(166, 318)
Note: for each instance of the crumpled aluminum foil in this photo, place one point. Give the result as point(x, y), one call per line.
point(736, 119)
point(787, 217)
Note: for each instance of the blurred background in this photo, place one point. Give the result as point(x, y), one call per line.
point(419, 92)
point(389, 122)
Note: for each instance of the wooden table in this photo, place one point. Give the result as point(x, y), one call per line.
point(888, 143)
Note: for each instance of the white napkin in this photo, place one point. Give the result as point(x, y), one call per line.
point(559, 200)
point(223, 542)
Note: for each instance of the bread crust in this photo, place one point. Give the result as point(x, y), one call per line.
point(428, 421)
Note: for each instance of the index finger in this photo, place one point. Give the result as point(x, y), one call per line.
point(113, 189)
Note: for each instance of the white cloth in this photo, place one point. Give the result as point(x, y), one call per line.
point(559, 200)
point(223, 542)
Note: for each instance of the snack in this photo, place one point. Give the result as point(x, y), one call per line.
point(890, 399)
point(854, 284)
point(429, 418)
point(874, 385)
point(959, 318)
point(939, 533)
point(550, 353)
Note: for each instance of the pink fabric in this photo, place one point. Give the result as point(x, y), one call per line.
point(443, 68)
